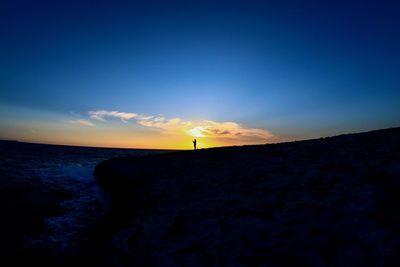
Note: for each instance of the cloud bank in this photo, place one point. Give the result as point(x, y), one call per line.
point(203, 128)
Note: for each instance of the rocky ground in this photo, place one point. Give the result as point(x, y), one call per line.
point(51, 206)
point(325, 202)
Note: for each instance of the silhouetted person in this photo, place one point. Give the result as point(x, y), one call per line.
point(194, 144)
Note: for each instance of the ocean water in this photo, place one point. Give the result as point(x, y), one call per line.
point(38, 176)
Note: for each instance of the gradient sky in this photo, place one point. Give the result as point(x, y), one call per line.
point(154, 74)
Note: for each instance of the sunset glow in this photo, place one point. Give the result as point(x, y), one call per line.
point(140, 74)
point(196, 132)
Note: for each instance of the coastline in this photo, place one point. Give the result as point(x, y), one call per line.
point(50, 200)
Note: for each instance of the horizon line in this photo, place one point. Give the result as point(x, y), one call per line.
point(176, 149)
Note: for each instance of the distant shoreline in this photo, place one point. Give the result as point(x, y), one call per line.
point(97, 147)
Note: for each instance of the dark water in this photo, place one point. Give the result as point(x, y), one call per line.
point(49, 197)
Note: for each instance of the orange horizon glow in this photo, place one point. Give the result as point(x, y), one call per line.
point(187, 144)
point(117, 129)
point(74, 135)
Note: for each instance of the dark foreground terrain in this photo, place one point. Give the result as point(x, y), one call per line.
point(325, 202)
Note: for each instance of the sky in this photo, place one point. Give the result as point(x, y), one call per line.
point(156, 74)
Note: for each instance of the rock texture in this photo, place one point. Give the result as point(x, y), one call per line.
point(325, 202)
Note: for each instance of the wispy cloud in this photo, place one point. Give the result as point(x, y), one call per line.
point(163, 123)
point(203, 128)
point(102, 114)
point(206, 128)
point(231, 130)
point(81, 122)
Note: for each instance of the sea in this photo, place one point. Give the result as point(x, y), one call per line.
point(49, 195)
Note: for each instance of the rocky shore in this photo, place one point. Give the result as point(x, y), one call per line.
point(325, 202)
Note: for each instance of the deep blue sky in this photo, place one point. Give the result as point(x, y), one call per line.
point(295, 68)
